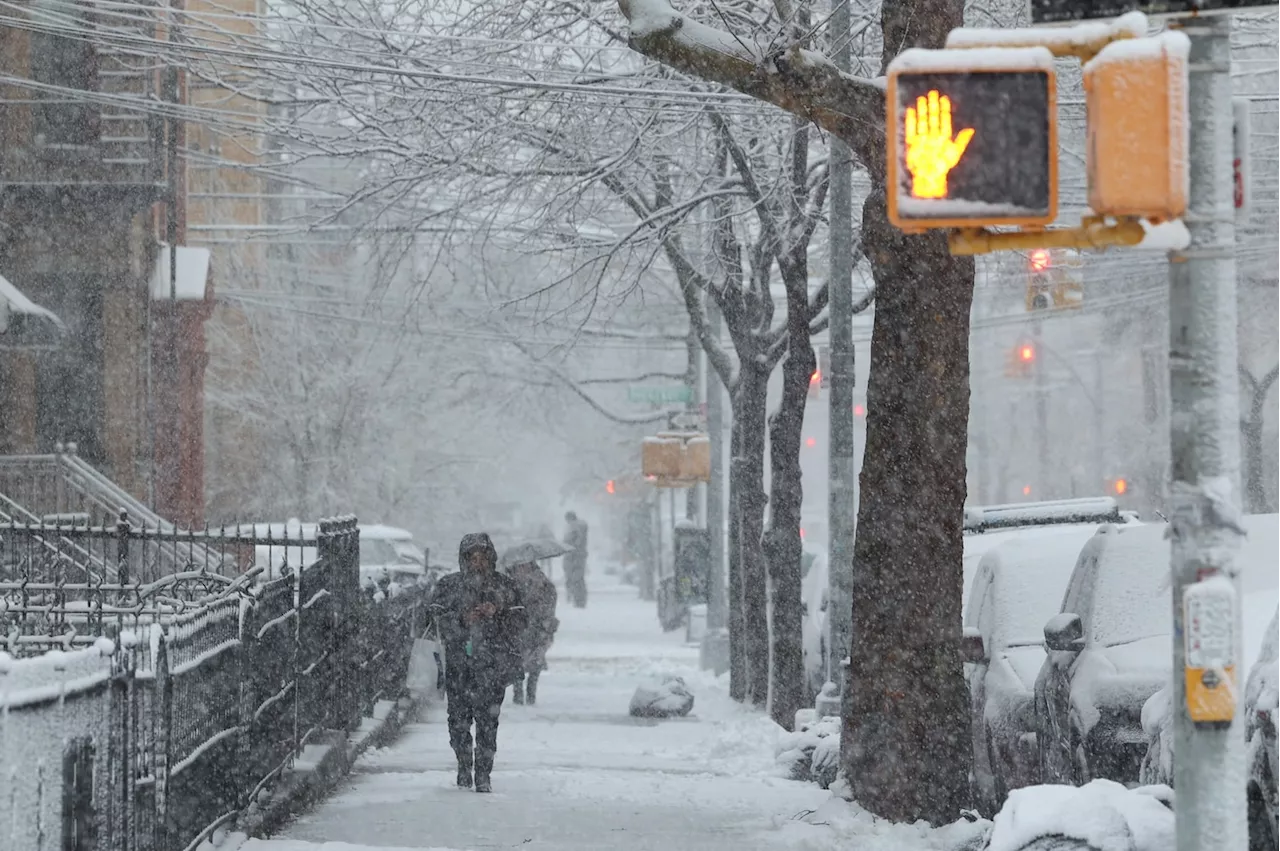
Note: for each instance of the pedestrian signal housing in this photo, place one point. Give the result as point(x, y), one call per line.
point(1136, 97)
point(971, 138)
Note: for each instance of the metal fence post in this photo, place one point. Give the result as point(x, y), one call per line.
point(122, 548)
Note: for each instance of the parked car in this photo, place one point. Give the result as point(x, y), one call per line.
point(1262, 706)
point(1108, 651)
point(1018, 585)
point(988, 526)
point(389, 555)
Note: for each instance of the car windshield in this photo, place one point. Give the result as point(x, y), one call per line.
point(1131, 599)
point(375, 551)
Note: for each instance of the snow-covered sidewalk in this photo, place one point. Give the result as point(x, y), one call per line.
point(576, 772)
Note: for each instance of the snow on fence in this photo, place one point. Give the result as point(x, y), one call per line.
point(185, 717)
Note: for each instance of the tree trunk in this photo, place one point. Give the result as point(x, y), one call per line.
point(1254, 492)
point(906, 728)
point(782, 543)
point(749, 413)
point(737, 651)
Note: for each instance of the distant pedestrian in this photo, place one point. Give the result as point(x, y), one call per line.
point(539, 596)
point(480, 616)
point(575, 563)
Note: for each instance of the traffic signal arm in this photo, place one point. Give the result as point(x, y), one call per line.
point(1093, 232)
point(1083, 41)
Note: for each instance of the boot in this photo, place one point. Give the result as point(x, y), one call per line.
point(484, 766)
point(517, 691)
point(464, 770)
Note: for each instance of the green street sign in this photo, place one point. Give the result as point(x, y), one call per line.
point(674, 393)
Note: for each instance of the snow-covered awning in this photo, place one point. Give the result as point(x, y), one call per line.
point(25, 324)
point(192, 278)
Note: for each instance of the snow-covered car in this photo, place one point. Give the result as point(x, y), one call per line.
point(388, 555)
point(987, 527)
point(1018, 585)
point(1262, 708)
point(1108, 651)
point(814, 598)
point(1100, 816)
point(1261, 582)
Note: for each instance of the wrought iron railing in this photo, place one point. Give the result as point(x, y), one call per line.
point(205, 691)
point(74, 503)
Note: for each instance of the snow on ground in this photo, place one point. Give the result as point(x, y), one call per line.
point(576, 773)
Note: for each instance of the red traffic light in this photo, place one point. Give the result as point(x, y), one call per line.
point(610, 487)
point(810, 442)
point(1026, 353)
point(1121, 487)
point(816, 377)
point(1040, 260)
point(859, 411)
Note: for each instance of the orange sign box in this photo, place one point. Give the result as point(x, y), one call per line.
point(1136, 96)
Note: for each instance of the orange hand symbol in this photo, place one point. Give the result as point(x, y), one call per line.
point(931, 152)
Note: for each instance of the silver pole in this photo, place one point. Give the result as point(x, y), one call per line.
point(841, 480)
point(1209, 762)
point(717, 602)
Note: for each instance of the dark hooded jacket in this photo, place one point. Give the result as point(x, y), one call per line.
point(485, 653)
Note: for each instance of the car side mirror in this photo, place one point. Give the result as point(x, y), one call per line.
point(972, 648)
point(1064, 632)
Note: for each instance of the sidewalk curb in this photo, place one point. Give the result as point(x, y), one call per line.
point(317, 772)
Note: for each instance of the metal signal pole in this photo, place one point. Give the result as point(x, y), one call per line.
point(842, 481)
point(1209, 758)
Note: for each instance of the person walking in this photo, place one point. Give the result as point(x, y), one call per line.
point(575, 563)
point(479, 615)
point(539, 596)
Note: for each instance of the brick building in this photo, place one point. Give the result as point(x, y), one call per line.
point(83, 194)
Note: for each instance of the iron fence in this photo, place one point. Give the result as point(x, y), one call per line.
point(208, 688)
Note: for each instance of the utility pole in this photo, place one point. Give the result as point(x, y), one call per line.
point(716, 596)
point(1044, 463)
point(841, 481)
point(1209, 758)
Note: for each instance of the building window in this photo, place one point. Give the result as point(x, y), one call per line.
point(67, 65)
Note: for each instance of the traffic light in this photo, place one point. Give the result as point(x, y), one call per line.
point(1055, 279)
point(1120, 486)
point(1021, 360)
point(815, 384)
point(971, 138)
point(610, 487)
point(1136, 100)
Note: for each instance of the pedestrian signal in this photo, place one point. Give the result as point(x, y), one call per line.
point(971, 138)
point(1136, 99)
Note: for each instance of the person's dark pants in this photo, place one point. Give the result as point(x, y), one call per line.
point(525, 689)
point(479, 704)
point(575, 583)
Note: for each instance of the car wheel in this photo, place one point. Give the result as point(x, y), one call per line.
point(1263, 828)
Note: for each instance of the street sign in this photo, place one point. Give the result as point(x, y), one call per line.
point(674, 393)
point(972, 138)
point(1061, 11)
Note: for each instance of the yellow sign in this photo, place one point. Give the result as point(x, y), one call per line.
point(931, 152)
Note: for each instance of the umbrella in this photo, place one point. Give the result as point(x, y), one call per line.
point(534, 550)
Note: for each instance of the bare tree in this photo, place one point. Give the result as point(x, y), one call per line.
point(905, 722)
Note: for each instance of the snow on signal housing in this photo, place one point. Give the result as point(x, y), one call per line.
point(990, 129)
